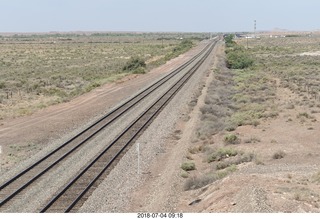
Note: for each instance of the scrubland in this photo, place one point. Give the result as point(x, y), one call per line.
point(261, 111)
point(41, 70)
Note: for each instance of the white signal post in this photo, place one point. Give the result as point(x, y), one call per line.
point(138, 152)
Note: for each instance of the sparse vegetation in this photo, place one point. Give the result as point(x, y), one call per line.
point(184, 174)
point(41, 70)
point(252, 140)
point(135, 65)
point(238, 58)
point(231, 139)
point(257, 96)
point(229, 39)
point(218, 105)
point(188, 166)
point(197, 182)
point(279, 155)
point(239, 159)
point(221, 154)
point(184, 46)
point(293, 60)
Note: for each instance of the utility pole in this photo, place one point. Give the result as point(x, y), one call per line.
point(255, 29)
point(247, 42)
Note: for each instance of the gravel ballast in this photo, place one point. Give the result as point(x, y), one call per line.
point(115, 192)
point(59, 176)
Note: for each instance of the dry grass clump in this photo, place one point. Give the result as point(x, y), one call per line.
point(196, 149)
point(239, 159)
point(252, 140)
point(279, 155)
point(231, 139)
point(226, 156)
point(303, 115)
point(184, 174)
point(222, 153)
point(188, 166)
point(197, 182)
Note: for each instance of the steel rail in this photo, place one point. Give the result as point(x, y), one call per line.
point(182, 81)
point(147, 90)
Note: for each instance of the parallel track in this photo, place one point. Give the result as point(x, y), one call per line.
point(73, 195)
point(21, 181)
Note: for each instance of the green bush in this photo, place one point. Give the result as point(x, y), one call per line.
point(229, 40)
point(238, 59)
point(184, 46)
point(139, 70)
point(221, 154)
point(201, 181)
point(188, 166)
point(231, 139)
point(134, 64)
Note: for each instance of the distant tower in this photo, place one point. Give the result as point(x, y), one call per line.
point(255, 28)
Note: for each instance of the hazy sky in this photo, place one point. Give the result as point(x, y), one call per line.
point(157, 15)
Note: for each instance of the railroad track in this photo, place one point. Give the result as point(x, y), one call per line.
point(107, 158)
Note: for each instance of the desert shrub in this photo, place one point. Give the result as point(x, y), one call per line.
point(198, 182)
point(304, 114)
point(223, 165)
point(184, 174)
point(92, 86)
point(252, 140)
point(221, 154)
point(278, 155)
point(195, 150)
point(238, 58)
point(134, 64)
point(231, 139)
point(249, 117)
point(225, 172)
point(239, 159)
point(139, 70)
point(2, 84)
point(230, 127)
point(201, 181)
point(229, 40)
point(184, 46)
point(188, 166)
